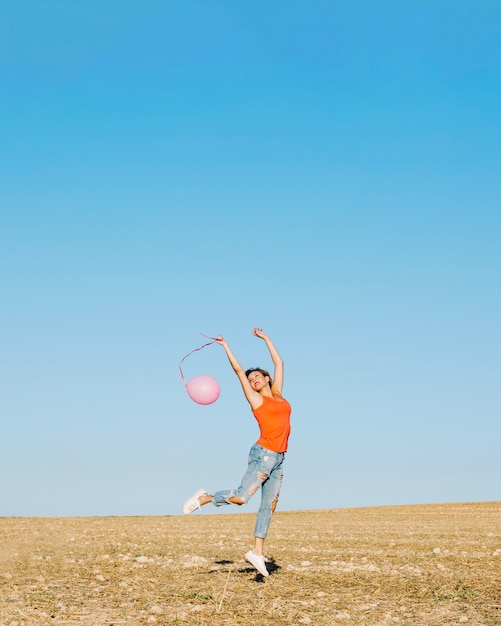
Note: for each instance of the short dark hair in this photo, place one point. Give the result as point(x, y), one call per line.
point(259, 369)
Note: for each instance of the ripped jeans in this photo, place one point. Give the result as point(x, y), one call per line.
point(263, 471)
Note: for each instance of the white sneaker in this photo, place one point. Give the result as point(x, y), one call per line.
point(257, 561)
point(193, 503)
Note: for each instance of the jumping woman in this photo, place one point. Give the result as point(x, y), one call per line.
point(266, 456)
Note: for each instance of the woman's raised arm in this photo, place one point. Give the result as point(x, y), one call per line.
point(252, 396)
point(278, 375)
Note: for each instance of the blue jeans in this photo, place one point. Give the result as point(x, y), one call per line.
point(264, 470)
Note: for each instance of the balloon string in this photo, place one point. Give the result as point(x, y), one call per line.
point(196, 350)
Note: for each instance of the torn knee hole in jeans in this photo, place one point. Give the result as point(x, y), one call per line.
point(274, 503)
point(275, 499)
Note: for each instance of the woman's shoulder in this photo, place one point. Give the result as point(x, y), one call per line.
point(277, 395)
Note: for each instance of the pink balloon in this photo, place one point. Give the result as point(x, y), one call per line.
point(203, 389)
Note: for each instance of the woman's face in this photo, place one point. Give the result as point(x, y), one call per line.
point(258, 380)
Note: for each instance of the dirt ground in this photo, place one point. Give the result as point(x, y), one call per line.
point(399, 565)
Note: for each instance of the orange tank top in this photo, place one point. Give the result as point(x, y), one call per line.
point(273, 417)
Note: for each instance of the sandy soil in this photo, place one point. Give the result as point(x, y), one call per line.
point(410, 565)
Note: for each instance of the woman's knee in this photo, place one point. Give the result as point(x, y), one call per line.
point(236, 500)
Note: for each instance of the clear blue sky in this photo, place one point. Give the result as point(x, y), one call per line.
point(327, 170)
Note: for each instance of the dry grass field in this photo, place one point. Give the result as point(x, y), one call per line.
point(407, 565)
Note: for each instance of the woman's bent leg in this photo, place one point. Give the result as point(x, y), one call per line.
point(261, 463)
point(249, 485)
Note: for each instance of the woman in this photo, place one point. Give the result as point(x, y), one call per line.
point(266, 456)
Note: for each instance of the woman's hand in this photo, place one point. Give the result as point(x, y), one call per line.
point(258, 332)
